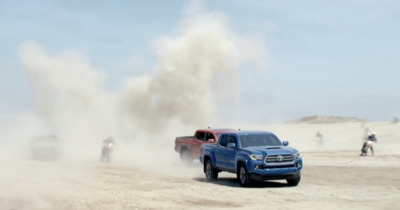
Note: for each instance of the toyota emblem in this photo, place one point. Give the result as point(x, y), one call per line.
point(279, 158)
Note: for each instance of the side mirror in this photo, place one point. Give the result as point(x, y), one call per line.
point(210, 140)
point(231, 145)
point(285, 143)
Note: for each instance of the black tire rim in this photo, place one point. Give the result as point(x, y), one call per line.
point(242, 175)
point(208, 170)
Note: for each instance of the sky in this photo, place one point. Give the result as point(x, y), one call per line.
point(297, 58)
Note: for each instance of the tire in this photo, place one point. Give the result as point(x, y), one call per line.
point(243, 176)
point(293, 182)
point(210, 171)
point(186, 157)
point(108, 155)
point(103, 154)
point(365, 149)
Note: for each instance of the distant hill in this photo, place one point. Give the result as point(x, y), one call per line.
point(325, 120)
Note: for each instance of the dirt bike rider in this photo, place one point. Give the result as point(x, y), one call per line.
point(107, 147)
point(368, 144)
point(320, 138)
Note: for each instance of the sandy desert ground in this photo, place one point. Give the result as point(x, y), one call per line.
point(334, 177)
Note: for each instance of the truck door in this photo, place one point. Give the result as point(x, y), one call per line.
point(225, 157)
point(230, 154)
point(198, 140)
point(220, 151)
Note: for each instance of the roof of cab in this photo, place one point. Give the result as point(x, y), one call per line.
point(218, 130)
point(247, 132)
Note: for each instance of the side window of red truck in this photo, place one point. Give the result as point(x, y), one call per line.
point(210, 136)
point(201, 136)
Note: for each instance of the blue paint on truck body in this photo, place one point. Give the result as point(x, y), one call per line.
point(263, 155)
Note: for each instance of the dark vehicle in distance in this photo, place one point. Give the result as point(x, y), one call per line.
point(46, 148)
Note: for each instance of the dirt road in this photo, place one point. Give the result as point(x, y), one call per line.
point(332, 180)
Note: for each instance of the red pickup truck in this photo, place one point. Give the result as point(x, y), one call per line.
point(189, 146)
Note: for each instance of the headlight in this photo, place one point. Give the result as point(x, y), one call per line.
point(297, 155)
point(256, 157)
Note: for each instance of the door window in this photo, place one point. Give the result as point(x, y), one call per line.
point(210, 136)
point(232, 139)
point(224, 140)
point(201, 136)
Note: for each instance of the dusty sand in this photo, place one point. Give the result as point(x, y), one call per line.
point(333, 177)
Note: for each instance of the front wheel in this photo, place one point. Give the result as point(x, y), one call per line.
point(243, 176)
point(293, 182)
point(103, 154)
point(211, 172)
point(108, 155)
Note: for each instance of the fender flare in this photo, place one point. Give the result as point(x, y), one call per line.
point(241, 159)
point(208, 155)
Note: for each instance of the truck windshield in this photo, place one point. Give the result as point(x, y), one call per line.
point(259, 140)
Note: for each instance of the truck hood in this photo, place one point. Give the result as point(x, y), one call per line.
point(270, 150)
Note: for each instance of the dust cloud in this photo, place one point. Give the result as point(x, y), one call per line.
point(197, 69)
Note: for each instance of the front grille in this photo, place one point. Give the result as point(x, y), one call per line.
point(281, 159)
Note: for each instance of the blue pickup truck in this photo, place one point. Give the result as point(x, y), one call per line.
point(252, 155)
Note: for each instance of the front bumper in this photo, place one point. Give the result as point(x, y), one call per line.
point(272, 173)
point(273, 176)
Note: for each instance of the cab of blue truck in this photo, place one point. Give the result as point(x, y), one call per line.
point(252, 156)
